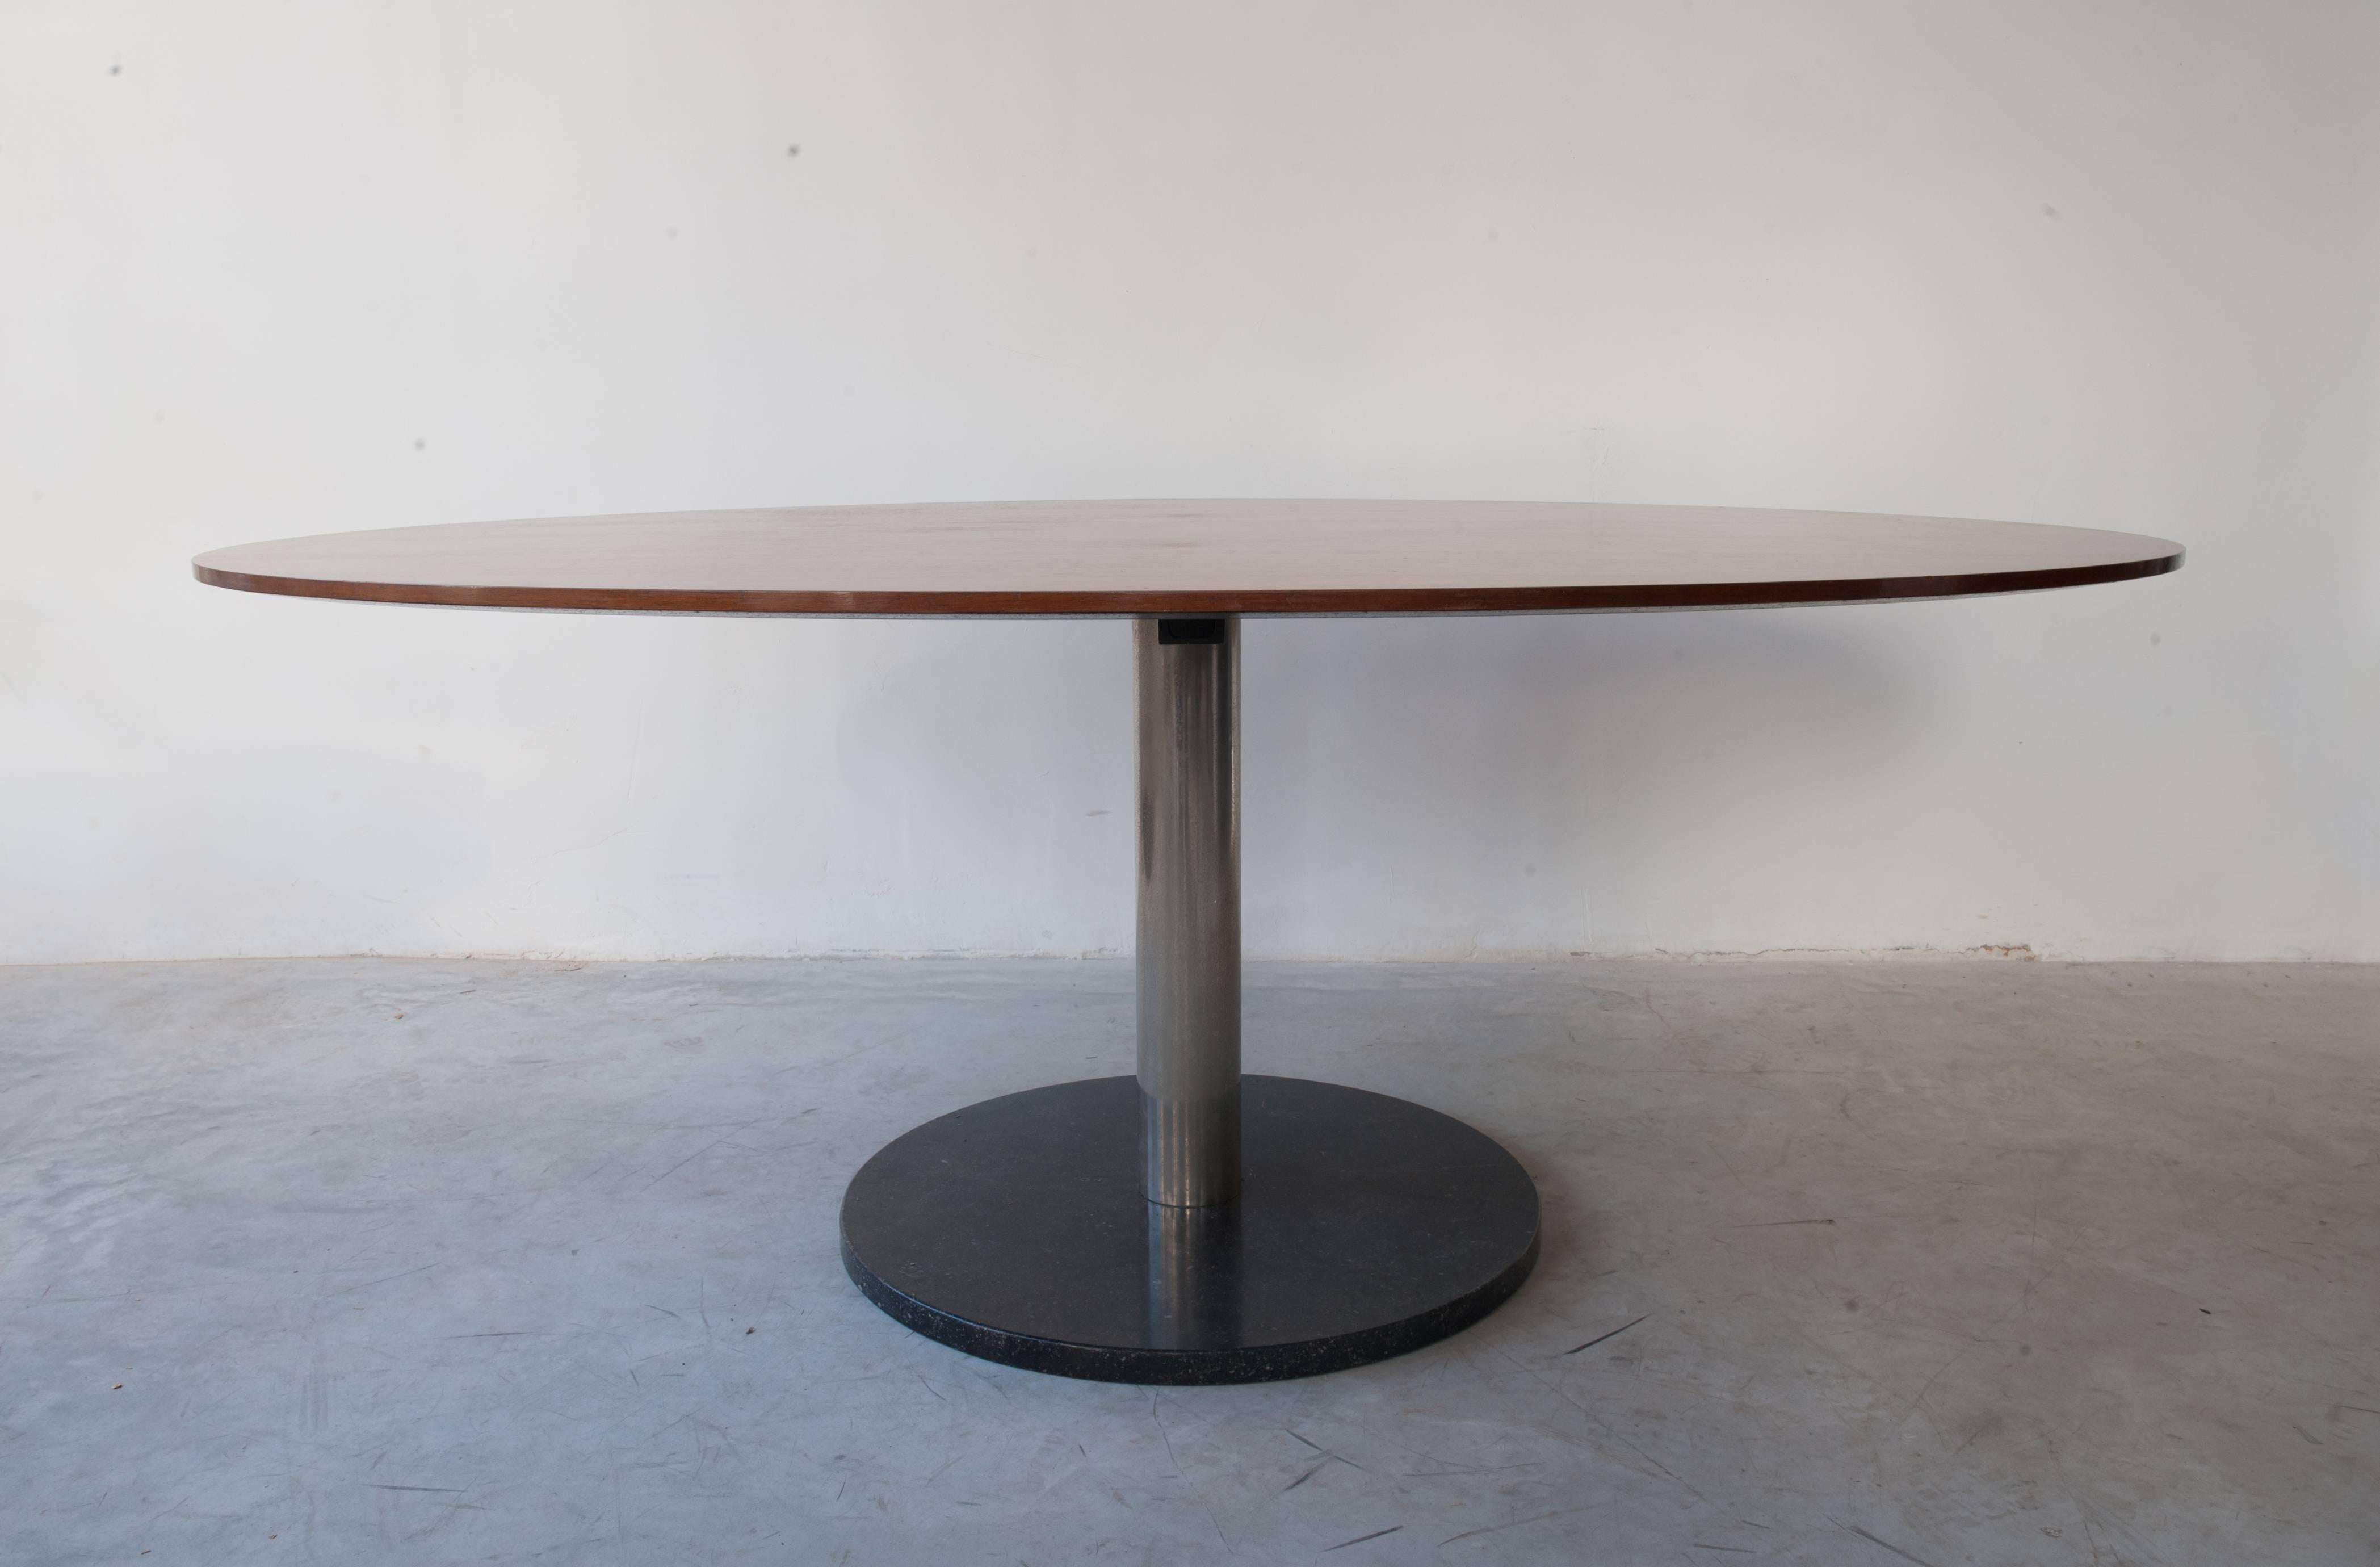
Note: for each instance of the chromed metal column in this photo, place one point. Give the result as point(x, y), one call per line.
point(1195, 1267)
point(1187, 675)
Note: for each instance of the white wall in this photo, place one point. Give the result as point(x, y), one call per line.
point(280, 268)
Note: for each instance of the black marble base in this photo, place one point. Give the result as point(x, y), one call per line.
point(1014, 1230)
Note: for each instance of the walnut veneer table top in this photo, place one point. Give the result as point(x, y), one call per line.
point(1187, 557)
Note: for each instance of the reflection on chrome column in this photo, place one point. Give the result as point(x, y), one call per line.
point(1193, 1276)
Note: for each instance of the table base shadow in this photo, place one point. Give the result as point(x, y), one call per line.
point(1015, 1230)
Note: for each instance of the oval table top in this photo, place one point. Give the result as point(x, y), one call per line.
point(1187, 557)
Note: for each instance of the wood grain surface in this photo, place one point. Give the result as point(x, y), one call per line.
point(1187, 557)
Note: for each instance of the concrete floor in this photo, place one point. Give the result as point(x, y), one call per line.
point(1925, 1262)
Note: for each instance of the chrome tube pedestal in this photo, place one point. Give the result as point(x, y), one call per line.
point(1188, 1225)
point(1186, 676)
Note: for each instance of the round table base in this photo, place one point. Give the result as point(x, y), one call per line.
point(1015, 1230)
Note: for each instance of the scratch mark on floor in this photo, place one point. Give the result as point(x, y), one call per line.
point(689, 1158)
point(1920, 1399)
point(1655, 1011)
point(1359, 1539)
point(1609, 1434)
point(1884, 1545)
point(1494, 1528)
point(1613, 1334)
point(391, 1279)
point(1163, 1436)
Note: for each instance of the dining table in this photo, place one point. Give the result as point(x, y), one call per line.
point(1188, 1222)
